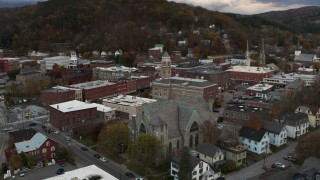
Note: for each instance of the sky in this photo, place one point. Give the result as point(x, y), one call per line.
point(250, 6)
point(233, 6)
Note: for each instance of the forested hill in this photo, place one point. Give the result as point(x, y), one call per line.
point(134, 25)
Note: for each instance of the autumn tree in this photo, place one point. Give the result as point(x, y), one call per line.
point(113, 138)
point(15, 162)
point(185, 167)
point(146, 94)
point(146, 149)
point(210, 131)
point(308, 145)
point(229, 166)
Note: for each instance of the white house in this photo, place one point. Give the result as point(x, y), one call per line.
point(256, 141)
point(296, 124)
point(312, 112)
point(277, 133)
point(201, 170)
point(209, 153)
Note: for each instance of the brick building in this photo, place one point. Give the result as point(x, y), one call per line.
point(96, 89)
point(58, 94)
point(4, 66)
point(239, 114)
point(259, 89)
point(28, 76)
point(176, 87)
point(249, 73)
point(113, 73)
point(101, 63)
point(74, 78)
point(259, 102)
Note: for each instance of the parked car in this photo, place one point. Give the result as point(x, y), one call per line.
point(56, 132)
point(84, 149)
point(96, 156)
point(60, 171)
point(280, 165)
point(7, 129)
point(21, 173)
point(103, 159)
point(290, 158)
point(68, 138)
point(129, 174)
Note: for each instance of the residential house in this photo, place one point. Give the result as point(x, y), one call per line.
point(209, 153)
point(176, 122)
point(277, 133)
point(200, 169)
point(312, 112)
point(296, 124)
point(310, 170)
point(237, 153)
point(38, 144)
point(256, 141)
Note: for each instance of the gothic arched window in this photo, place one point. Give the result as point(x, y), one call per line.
point(194, 127)
point(142, 128)
point(196, 140)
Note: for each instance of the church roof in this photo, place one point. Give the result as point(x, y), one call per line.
point(165, 54)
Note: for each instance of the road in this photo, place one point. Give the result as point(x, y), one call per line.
point(257, 168)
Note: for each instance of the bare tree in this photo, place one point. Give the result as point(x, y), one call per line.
point(211, 133)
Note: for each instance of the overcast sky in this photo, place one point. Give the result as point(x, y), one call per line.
point(233, 6)
point(250, 6)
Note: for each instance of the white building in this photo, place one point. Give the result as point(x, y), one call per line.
point(201, 170)
point(108, 112)
point(126, 106)
point(313, 114)
point(84, 173)
point(256, 141)
point(277, 133)
point(209, 153)
point(284, 79)
point(296, 124)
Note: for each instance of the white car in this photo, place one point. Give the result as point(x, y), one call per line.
point(280, 165)
point(103, 159)
point(56, 132)
point(7, 129)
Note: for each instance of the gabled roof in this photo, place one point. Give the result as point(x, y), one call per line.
point(294, 119)
point(207, 149)
point(313, 109)
point(305, 57)
point(309, 163)
point(157, 121)
point(33, 144)
point(252, 134)
point(272, 127)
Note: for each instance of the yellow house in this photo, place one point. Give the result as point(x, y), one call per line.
point(237, 153)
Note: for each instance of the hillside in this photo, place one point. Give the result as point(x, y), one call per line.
point(304, 20)
point(130, 25)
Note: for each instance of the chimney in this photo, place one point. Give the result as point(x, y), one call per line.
point(57, 106)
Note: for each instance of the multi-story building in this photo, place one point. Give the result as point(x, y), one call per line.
point(284, 79)
point(239, 114)
point(59, 94)
point(101, 63)
point(256, 141)
point(94, 90)
point(296, 124)
point(113, 73)
point(261, 102)
point(126, 106)
point(28, 76)
point(277, 133)
point(218, 77)
point(259, 90)
point(176, 87)
point(165, 66)
point(74, 78)
point(249, 73)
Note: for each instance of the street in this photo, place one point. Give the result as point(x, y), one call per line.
point(257, 168)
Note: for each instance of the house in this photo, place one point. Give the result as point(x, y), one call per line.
point(295, 86)
point(277, 133)
point(38, 144)
point(312, 112)
point(209, 153)
point(176, 122)
point(200, 169)
point(256, 141)
point(236, 153)
point(310, 169)
point(296, 124)
point(305, 58)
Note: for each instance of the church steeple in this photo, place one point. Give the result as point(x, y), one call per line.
point(262, 57)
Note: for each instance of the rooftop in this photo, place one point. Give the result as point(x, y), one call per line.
point(102, 108)
point(30, 145)
point(260, 87)
point(293, 76)
point(117, 68)
point(244, 108)
point(185, 82)
point(88, 172)
point(127, 100)
point(205, 72)
point(73, 105)
point(60, 89)
point(92, 84)
point(250, 69)
point(250, 133)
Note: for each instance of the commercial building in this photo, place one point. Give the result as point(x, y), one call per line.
point(249, 73)
point(259, 89)
point(59, 94)
point(176, 87)
point(113, 73)
point(29, 76)
point(284, 79)
point(126, 106)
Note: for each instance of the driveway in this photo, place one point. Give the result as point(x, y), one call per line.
point(257, 168)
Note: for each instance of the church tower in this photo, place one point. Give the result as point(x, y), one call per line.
point(165, 71)
point(262, 56)
point(248, 60)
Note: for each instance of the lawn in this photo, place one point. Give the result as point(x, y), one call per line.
point(86, 140)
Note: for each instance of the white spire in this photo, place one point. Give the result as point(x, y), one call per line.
point(248, 54)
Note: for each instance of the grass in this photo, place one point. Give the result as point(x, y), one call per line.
point(86, 140)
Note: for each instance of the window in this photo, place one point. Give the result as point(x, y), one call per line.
point(196, 139)
point(53, 148)
point(44, 150)
point(48, 143)
point(142, 128)
point(194, 127)
point(194, 173)
point(191, 141)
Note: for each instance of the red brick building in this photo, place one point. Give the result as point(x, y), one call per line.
point(55, 96)
point(249, 73)
point(97, 89)
point(75, 78)
point(261, 103)
point(4, 66)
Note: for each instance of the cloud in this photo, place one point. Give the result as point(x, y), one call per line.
point(249, 6)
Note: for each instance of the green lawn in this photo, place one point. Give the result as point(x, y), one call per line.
point(86, 140)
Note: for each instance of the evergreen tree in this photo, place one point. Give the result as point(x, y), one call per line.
point(185, 166)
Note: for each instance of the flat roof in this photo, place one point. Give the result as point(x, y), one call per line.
point(84, 173)
point(244, 108)
point(293, 76)
point(92, 84)
point(102, 108)
point(127, 100)
point(185, 82)
point(260, 87)
point(117, 68)
point(250, 69)
point(71, 106)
